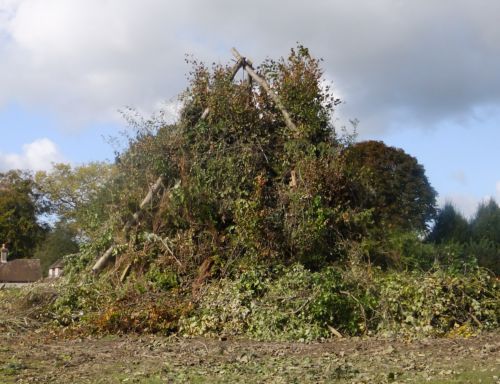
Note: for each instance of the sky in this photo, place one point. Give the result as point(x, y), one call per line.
point(420, 75)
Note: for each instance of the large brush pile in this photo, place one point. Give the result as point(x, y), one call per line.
point(243, 190)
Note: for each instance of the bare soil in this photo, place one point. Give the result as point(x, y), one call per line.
point(34, 357)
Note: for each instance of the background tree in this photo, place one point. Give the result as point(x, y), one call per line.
point(21, 205)
point(477, 239)
point(450, 226)
point(396, 188)
point(82, 197)
point(486, 222)
point(485, 228)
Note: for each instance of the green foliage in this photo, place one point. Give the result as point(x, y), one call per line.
point(75, 303)
point(435, 303)
point(290, 303)
point(78, 264)
point(402, 250)
point(162, 280)
point(20, 206)
point(294, 303)
point(79, 295)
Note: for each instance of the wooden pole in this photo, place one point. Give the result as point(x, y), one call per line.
point(103, 260)
point(106, 256)
point(247, 66)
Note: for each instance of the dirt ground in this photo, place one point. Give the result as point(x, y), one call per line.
point(33, 357)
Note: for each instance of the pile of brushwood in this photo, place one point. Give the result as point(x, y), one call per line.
point(262, 228)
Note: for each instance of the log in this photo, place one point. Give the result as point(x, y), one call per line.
point(152, 191)
point(335, 332)
point(125, 272)
point(106, 256)
point(103, 260)
point(247, 66)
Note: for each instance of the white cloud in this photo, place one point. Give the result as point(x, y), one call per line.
point(393, 61)
point(38, 155)
point(465, 204)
